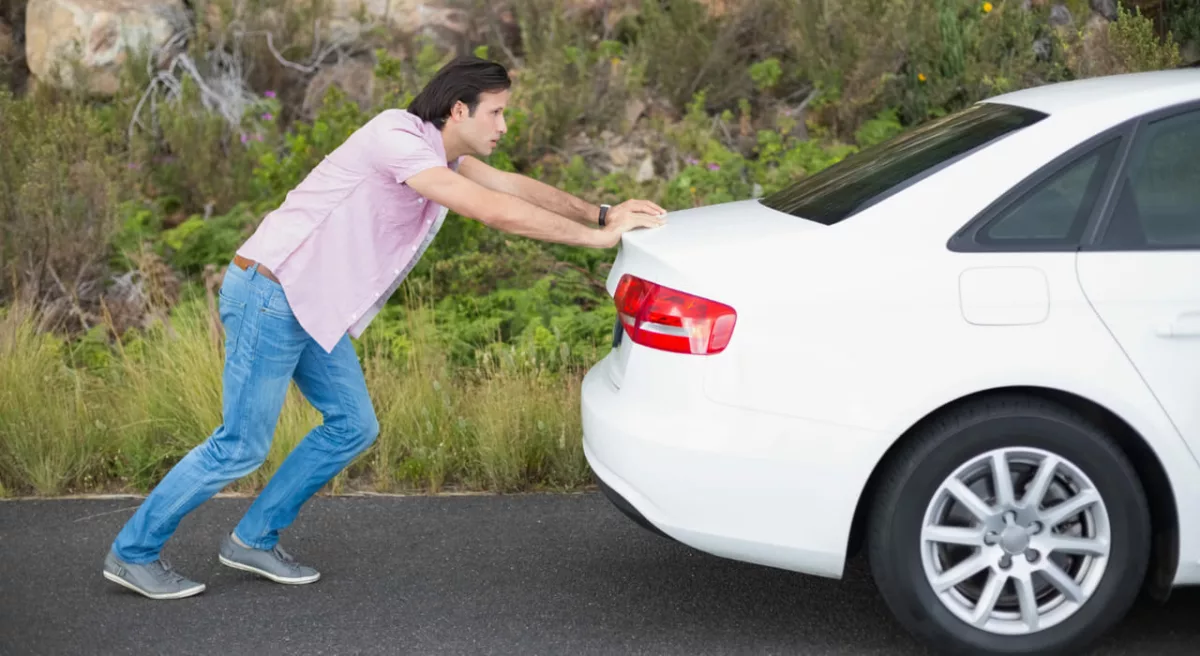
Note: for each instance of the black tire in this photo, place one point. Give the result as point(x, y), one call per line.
point(940, 447)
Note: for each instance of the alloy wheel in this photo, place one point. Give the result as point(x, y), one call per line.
point(1015, 541)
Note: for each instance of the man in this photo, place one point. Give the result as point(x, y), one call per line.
point(313, 275)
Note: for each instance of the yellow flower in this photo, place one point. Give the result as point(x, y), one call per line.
point(987, 7)
point(921, 77)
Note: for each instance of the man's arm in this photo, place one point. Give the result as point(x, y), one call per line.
point(509, 213)
point(545, 196)
point(530, 190)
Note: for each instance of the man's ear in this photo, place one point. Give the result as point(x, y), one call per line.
point(460, 110)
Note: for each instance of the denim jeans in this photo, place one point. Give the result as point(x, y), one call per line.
point(265, 349)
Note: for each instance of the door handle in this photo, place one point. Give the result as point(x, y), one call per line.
point(1185, 324)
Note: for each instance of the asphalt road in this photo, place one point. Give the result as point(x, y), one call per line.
point(452, 575)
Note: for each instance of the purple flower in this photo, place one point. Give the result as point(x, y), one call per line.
point(691, 161)
point(267, 116)
point(244, 138)
point(714, 167)
point(257, 137)
point(269, 94)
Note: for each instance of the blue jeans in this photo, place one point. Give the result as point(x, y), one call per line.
point(265, 349)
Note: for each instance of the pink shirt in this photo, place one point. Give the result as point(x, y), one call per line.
point(346, 236)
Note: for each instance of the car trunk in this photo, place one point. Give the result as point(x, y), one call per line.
point(698, 244)
point(707, 252)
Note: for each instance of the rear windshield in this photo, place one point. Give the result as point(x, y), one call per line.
point(868, 177)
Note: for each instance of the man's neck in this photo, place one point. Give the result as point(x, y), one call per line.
point(454, 148)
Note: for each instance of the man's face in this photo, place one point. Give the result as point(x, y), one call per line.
point(483, 130)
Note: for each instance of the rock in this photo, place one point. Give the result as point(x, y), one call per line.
point(7, 50)
point(634, 109)
point(1189, 52)
point(1060, 16)
point(1106, 8)
point(354, 77)
point(1043, 48)
point(645, 172)
point(633, 152)
point(610, 12)
point(100, 35)
point(622, 155)
point(443, 21)
point(1093, 55)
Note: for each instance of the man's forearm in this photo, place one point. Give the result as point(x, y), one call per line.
point(555, 200)
point(515, 215)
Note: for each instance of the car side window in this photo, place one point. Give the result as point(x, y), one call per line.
point(1158, 196)
point(1056, 210)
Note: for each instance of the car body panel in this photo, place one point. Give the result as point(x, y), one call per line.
point(849, 335)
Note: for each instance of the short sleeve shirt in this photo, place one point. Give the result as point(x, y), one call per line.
point(344, 239)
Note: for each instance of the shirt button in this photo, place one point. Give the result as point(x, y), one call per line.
point(354, 316)
point(397, 272)
point(414, 248)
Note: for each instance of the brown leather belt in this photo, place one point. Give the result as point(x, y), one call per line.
point(245, 263)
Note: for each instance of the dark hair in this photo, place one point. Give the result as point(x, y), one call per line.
point(462, 79)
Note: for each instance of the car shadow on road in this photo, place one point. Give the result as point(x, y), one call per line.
point(791, 612)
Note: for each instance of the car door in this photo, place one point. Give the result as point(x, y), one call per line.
point(1142, 272)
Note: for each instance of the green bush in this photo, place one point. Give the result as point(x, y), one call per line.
point(61, 177)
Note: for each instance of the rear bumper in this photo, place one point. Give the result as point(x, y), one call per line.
point(627, 508)
point(752, 487)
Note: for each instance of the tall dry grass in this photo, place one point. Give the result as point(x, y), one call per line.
point(121, 424)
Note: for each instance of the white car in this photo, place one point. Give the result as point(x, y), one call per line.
point(973, 351)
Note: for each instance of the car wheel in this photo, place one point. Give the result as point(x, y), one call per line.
point(1011, 525)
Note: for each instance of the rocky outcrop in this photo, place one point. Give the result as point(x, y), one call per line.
point(1106, 8)
point(8, 50)
point(353, 77)
point(84, 43)
point(348, 21)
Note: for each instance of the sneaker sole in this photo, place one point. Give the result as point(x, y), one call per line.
point(200, 587)
point(274, 577)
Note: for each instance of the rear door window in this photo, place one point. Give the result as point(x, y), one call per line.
point(1159, 201)
point(867, 177)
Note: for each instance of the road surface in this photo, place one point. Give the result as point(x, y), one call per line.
point(539, 574)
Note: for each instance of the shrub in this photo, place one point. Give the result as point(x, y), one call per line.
point(61, 178)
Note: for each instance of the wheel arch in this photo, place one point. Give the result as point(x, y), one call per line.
point(1164, 514)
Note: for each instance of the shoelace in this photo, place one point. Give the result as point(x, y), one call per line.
point(168, 573)
point(285, 557)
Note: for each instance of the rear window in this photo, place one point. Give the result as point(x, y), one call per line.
point(867, 177)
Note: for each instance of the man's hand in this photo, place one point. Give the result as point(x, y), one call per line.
point(627, 220)
point(616, 212)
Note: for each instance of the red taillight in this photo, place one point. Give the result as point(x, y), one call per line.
point(668, 319)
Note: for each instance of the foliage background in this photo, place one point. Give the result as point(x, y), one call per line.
point(115, 222)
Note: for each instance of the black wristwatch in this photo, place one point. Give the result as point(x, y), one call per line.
point(603, 214)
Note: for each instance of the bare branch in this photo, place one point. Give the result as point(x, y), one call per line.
point(224, 91)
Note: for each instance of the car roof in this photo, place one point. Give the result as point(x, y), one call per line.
point(1125, 96)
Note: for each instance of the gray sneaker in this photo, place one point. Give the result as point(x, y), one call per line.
point(275, 563)
point(155, 580)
